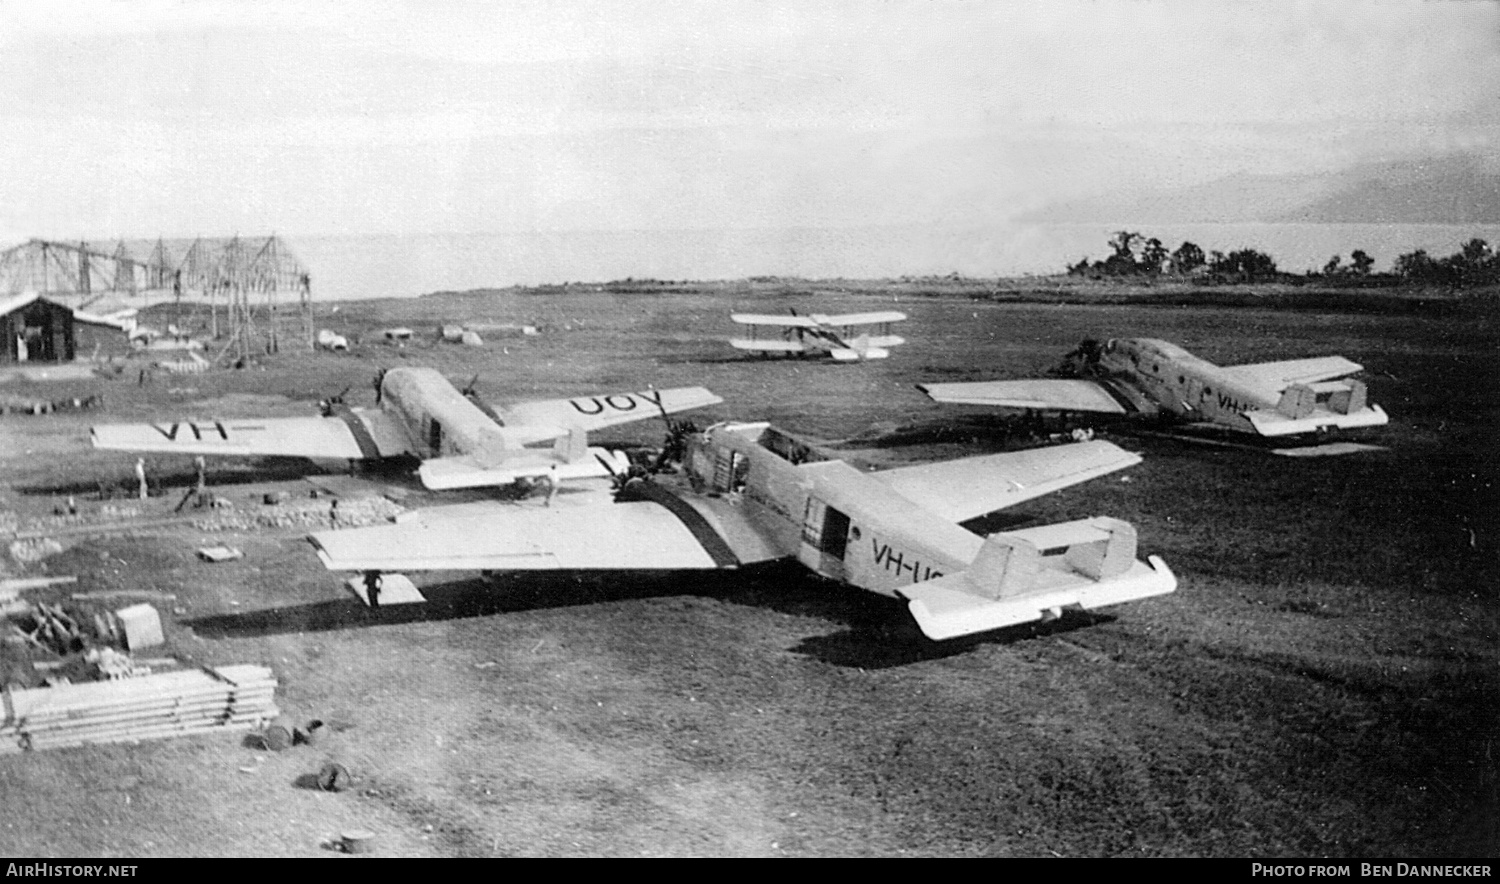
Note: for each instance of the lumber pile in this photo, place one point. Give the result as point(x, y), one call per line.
point(141, 708)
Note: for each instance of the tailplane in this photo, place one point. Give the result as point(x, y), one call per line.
point(1035, 574)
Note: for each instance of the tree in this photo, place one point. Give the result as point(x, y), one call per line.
point(1332, 267)
point(1187, 258)
point(1245, 265)
point(1475, 251)
point(1154, 256)
point(1416, 266)
point(1123, 242)
point(1361, 261)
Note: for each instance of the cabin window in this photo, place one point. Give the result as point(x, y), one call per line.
point(825, 528)
point(435, 437)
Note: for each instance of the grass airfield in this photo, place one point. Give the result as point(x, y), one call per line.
point(1323, 682)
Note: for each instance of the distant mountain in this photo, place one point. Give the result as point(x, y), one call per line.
point(1455, 189)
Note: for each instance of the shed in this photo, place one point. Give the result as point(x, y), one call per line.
point(34, 329)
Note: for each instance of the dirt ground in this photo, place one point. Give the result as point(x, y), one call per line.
point(1323, 682)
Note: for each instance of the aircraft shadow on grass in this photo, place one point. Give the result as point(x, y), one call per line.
point(877, 632)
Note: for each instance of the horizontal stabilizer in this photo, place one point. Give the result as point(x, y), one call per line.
point(1032, 395)
point(1268, 422)
point(1022, 576)
point(846, 355)
point(462, 471)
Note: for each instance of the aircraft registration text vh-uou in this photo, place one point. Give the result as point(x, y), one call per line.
point(749, 493)
point(461, 441)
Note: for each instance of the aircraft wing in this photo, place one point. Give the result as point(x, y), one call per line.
point(354, 435)
point(974, 486)
point(608, 536)
point(552, 418)
point(773, 319)
point(1041, 395)
point(768, 345)
point(462, 471)
point(1277, 376)
point(844, 319)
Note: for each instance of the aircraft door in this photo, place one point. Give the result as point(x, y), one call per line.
point(435, 437)
point(1194, 394)
point(825, 539)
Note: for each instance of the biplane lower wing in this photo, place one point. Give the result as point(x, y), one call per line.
point(769, 345)
point(356, 434)
point(975, 486)
point(638, 535)
point(1036, 574)
point(1035, 395)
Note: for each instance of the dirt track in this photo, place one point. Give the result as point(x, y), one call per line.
point(1322, 684)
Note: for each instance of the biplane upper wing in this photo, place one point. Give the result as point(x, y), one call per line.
point(610, 536)
point(789, 321)
point(848, 319)
point(974, 486)
point(1277, 376)
point(538, 421)
point(1041, 395)
point(354, 434)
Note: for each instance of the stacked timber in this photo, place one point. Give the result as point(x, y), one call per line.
point(141, 708)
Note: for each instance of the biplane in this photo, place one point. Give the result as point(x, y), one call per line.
point(850, 337)
point(461, 441)
point(748, 493)
point(1149, 378)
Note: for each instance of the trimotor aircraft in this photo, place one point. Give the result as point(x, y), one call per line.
point(1149, 378)
point(462, 442)
point(749, 493)
point(851, 337)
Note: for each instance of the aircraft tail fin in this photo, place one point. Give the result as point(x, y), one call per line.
point(1034, 574)
point(572, 447)
point(1340, 397)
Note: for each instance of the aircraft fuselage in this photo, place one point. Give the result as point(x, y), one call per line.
point(765, 487)
point(1180, 384)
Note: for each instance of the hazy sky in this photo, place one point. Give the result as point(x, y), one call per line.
point(173, 118)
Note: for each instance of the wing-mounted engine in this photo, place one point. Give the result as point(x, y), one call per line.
point(1035, 574)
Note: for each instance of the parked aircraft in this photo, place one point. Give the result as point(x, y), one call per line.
point(462, 442)
point(847, 338)
point(750, 493)
point(1151, 378)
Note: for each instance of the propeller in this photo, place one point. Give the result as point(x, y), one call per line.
point(379, 384)
point(618, 480)
point(468, 389)
point(674, 447)
point(1081, 360)
point(795, 330)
